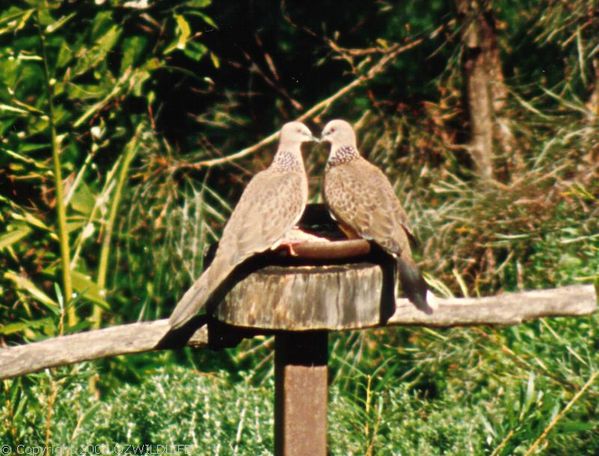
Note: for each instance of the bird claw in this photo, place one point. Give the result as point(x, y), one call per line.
point(290, 247)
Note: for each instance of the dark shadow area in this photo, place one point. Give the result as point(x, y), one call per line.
point(301, 348)
point(220, 335)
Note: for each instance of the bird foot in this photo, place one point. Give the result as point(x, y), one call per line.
point(294, 237)
point(289, 246)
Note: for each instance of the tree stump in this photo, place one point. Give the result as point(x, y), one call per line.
point(301, 298)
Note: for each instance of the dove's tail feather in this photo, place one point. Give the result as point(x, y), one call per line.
point(412, 283)
point(200, 292)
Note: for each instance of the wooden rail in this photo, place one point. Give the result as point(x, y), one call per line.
point(506, 309)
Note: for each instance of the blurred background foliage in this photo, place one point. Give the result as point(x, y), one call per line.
point(108, 110)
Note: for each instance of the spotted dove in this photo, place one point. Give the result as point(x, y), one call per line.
point(270, 206)
point(362, 201)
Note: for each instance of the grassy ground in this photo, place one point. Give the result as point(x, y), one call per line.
point(397, 391)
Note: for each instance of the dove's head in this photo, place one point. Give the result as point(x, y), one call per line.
point(295, 133)
point(339, 133)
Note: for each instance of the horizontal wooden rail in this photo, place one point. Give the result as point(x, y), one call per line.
point(505, 309)
point(101, 343)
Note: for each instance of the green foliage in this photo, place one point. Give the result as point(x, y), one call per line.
point(452, 392)
point(104, 62)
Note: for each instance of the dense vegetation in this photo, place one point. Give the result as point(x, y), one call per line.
point(108, 113)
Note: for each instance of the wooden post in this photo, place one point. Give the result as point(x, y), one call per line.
point(301, 392)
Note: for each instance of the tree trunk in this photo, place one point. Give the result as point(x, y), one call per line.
point(485, 90)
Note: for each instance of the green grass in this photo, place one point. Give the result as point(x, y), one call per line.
point(397, 391)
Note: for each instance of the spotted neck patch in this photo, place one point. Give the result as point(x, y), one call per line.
point(343, 154)
point(286, 160)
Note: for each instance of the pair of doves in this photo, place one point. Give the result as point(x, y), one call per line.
point(358, 194)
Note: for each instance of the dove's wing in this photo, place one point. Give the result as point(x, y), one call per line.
point(269, 207)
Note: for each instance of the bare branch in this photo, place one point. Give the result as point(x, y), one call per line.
point(320, 107)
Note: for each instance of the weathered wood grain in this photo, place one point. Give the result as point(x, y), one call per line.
point(503, 309)
point(306, 297)
point(85, 346)
point(351, 296)
point(506, 309)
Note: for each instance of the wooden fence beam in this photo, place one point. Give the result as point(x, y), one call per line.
point(505, 309)
point(101, 343)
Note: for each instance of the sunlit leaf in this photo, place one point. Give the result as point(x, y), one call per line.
point(133, 48)
point(18, 327)
point(85, 286)
point(15, 20)
point(195, 50)
point(51, 28)
point(215, 60)
point(9, 108)
point(14, 236)
point(29, 287)
point(90, 58)
point(28, 217)
point(75, 224)
point(184, 31)
point(83, 201)
point(198, 3)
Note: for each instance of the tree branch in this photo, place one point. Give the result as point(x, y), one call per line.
point(319, 107)
point(506, 309)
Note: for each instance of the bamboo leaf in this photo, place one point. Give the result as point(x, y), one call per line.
point(14, 236)
point(86, 287)
point(28, 286)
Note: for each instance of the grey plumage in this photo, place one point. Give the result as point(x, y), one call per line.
point(362, 200)
point(270, 206)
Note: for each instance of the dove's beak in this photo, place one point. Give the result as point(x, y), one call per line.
point(316, 139)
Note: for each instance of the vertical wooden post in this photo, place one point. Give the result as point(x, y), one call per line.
point(301, 393)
